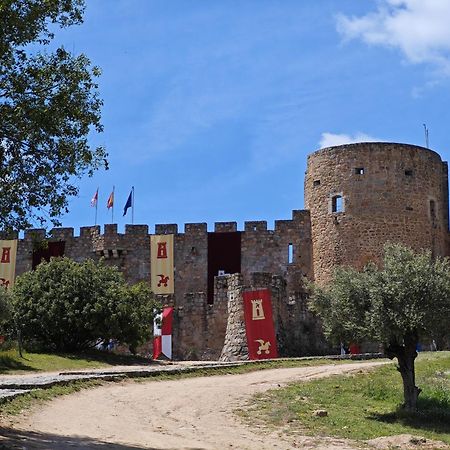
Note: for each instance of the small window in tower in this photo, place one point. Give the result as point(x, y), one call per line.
point(290, 254)
point(359, 170)
point(433, 210)
point(337, 204)
point(409, 173)
point(316, 183)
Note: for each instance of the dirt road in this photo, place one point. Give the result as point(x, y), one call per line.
point(193, 413)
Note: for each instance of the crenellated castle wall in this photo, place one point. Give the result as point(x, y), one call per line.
point(200, 307)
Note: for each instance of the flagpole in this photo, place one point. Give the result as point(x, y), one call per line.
point(132, 205)
point(112, 207)
point(96, 208)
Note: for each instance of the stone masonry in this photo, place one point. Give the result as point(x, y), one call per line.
point(389, 193)
point(357, 198)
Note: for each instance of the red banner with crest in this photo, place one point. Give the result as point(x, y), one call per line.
point(261, 340)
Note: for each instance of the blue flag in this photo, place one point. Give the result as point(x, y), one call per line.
point(128, 203)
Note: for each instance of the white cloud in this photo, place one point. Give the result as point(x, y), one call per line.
point(331, 139)
point(419, 28)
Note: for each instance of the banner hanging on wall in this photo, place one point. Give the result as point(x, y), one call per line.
point(8, 252)
point(261, 340)
point(162, 263)
point(162, 333)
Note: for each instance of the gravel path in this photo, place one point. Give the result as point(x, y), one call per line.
point(191, 413)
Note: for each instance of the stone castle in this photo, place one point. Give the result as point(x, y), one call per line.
point(357, 197)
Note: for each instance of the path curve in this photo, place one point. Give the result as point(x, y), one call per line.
point(190, 414)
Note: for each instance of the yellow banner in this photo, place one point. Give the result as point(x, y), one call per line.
point(162, 263)
point(8, 253)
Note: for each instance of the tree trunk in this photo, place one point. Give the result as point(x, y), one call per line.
point(406, 355)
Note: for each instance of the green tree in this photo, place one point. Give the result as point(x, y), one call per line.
point(48, 105)
point(69, 306)
point(405, 301)
point(5, 310)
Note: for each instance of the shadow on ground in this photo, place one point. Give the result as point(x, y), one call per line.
point(109, 358)
point(8, 364)
point(433, 415)
point(12, 439)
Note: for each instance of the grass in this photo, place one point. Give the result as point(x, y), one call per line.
point(11, 363)
point(18, 404)
point(363, 405)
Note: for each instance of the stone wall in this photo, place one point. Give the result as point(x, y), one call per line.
point(390, 192)
point(235, 342)
point(129, 251)
point(298, 331)
point(199, 326)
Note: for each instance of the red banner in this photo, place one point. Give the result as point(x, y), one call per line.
point(261, 340)
point(167, 318)
point(157, 347)
point(162, 333)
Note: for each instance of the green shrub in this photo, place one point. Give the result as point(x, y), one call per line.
point(67, 306)
point(5, 311)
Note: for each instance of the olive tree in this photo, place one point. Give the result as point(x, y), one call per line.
point(407, 300)
point(68, 306)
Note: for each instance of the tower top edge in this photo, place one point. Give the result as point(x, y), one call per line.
point(372, 145)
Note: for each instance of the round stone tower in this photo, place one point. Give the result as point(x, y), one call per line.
point(361, 196)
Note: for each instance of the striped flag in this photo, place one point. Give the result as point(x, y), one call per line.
point(110, 202)
point(94, 199)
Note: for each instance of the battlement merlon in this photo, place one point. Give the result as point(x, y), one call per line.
point(90, 231)
point(194, 228)
point(170, 228)
point(34, 234)
point(301, 215)
point(9, 235)
point(255, 226)
point(136, 230)
point(225, 227)
point(62, 234)
point(110, 229)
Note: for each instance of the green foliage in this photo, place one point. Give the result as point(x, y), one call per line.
point(5, 310)
point(67, 306)
point(48, 105)
point(410, 295)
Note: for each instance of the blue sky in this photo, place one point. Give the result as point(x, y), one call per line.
point(211, 107)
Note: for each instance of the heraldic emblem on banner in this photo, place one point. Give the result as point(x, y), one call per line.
point(162, 267)
point(259, 326)
point(8, 252)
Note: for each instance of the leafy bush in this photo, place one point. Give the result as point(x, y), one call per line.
point(5, 311)
point(68, 306)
